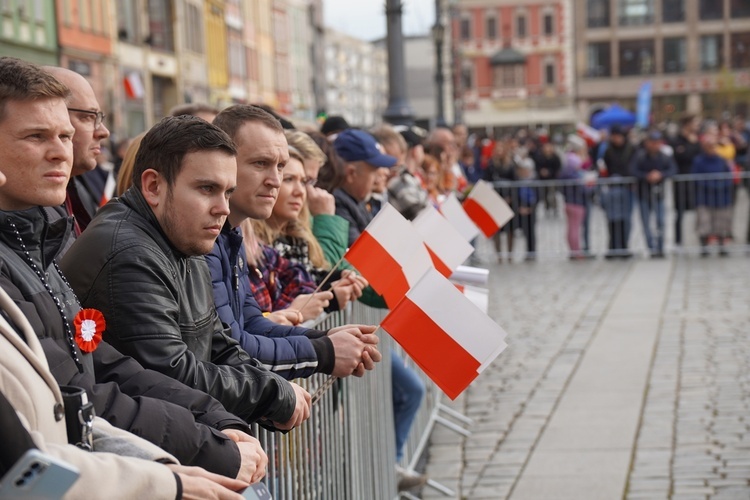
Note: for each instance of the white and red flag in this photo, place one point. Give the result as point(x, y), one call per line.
point(450, 339)
point(479, 296)
point(487, 209)
point(453, 211)
point(390, 254)
point(447, 247)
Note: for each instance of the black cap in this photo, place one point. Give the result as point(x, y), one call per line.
point(334, 124)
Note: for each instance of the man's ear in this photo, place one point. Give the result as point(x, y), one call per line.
point(152, 187)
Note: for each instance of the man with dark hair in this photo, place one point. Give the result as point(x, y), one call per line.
point(652, 167)
point(36, 153)
point(141, 263)
point(292, 352)
point(686, 147)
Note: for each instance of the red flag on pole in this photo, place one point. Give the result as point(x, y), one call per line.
point(390, 254)
point(456, 215)
point(446, 245)
point(487, 209)
point(444, 333)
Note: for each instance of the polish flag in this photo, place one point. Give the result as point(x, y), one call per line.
point(450, 339)
point(134, 86)
point(487, 209)
point(480, 297)
point(390, 255)
point(109, 189)
point(446, 245)
point(588, 133)
point(453, 211)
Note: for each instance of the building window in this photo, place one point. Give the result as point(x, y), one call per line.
point(636, 12)
point(160, 24)
point(193, 28)
point(675, 55)
point(491, 28)
point(549, 24)
point(521, 26)
point(673, 11)
point(598, 60)
point(84, 15)
point(549, 73)
point(237, 57)
point(740, 50)
point(597, 13)
point(711, 9)
point(636, 57)
point(465, 29)
point(712, 52)
point(127, 21)
point(509, 76)
point(740, 8)
point(467, 77)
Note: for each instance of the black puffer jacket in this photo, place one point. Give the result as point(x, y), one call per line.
point(160, 309)
point(180, 420)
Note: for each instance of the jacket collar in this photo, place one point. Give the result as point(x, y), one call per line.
point(231, 239)
point(43, 239)
point(133, 199)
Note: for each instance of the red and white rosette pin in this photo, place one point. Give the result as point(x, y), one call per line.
point(90, 326)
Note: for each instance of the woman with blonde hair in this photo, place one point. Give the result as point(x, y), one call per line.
point(125, 176)
point(288, 231)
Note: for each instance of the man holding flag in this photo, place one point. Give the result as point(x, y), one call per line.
point(262, 151)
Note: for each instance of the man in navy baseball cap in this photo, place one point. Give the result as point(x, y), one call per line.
point(362, 156)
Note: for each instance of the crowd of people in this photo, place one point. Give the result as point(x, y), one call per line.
point(171, 284)
point(625, 171)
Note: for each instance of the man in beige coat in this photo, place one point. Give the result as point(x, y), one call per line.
point(27, 383)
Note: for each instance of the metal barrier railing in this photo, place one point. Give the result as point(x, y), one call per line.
point(610, 222)
point(347, 447)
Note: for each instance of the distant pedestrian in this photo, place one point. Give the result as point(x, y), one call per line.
point(713, 196)
point(686, 147)
point(616, 197)
point(575, 193)
point(501, 171)
point(527, 200)
point(548, 166)
point(651, 167)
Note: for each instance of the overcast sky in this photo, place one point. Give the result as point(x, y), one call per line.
point(365, 19)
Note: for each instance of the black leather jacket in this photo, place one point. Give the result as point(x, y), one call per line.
point(160, 309)
point(180, 420)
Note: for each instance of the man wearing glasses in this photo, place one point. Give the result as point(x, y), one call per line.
point(88, 120)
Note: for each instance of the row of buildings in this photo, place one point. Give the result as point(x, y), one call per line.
point(144, 56)
point(504, 63)
point(555, 62)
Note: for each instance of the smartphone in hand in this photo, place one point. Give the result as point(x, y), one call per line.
point(39, 476)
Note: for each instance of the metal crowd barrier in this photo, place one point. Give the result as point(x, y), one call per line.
point(347, 448)
point(612, 208)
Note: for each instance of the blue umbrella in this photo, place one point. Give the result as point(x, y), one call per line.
point(613, 115)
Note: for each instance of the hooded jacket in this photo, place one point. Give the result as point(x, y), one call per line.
point(286, 350)
point(160, 310)
point(144, 402)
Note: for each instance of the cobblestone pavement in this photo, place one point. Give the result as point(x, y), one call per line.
point(693, 438)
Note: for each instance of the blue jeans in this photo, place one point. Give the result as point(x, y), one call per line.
point(408, 391)
point(655, 203)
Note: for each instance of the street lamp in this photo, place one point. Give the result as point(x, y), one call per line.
point(399, 111)
point(438, 34)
